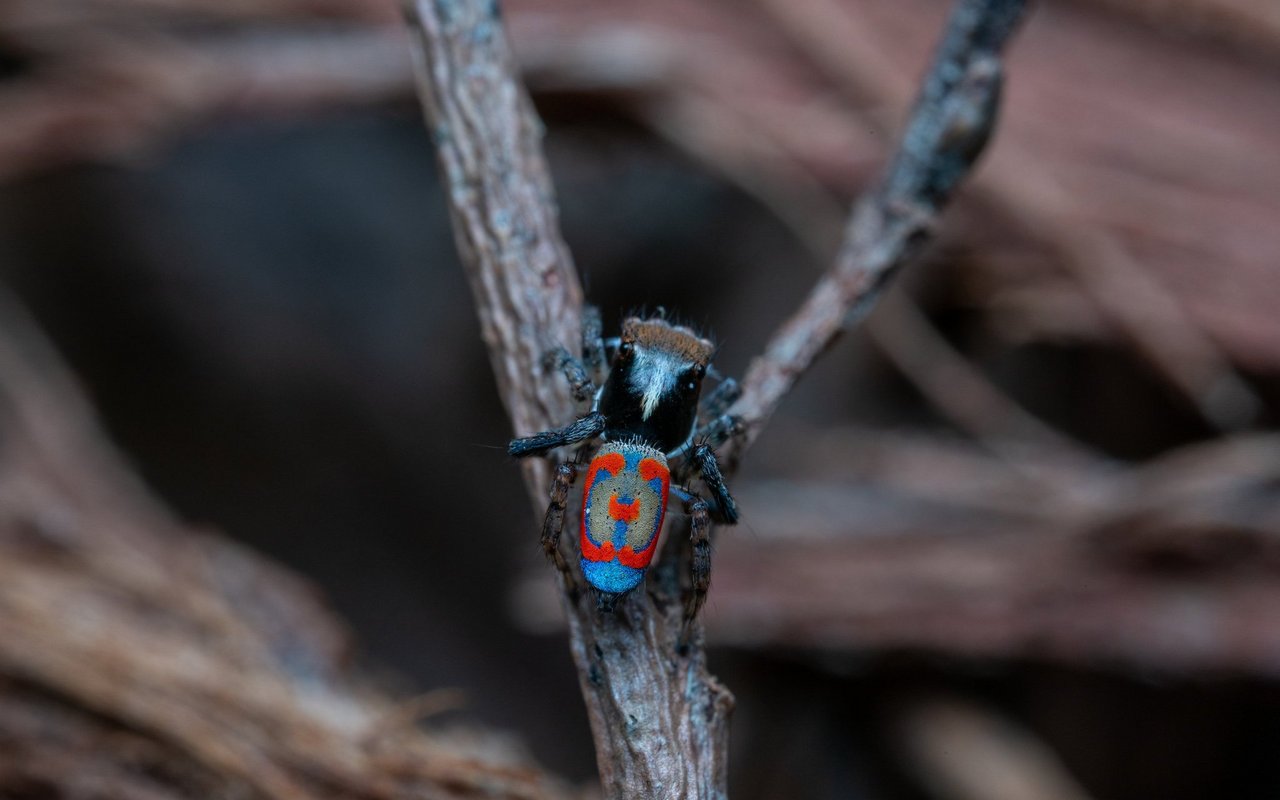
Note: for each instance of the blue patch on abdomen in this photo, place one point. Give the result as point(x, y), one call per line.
point(611, 576)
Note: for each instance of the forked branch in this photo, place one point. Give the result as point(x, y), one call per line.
point(659, 719)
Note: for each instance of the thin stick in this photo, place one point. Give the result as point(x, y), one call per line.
point(505, 221)
point(955, 387)
point(659, 719)
point(948, 130)
point(1027, 193)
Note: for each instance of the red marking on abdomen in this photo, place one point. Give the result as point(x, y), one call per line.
point(650, 469)
point(627, 512)
point(597, 552)
point(613, 463)
point(630, 558)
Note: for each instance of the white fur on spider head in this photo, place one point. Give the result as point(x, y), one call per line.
point(662, 353)
point(653, 374)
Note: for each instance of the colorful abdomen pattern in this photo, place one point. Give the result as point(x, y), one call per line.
point(622, 508)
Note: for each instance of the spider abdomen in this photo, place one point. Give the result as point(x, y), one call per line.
point(623, 504)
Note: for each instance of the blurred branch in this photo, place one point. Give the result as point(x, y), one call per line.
point(659, 719)
point(1237, 23)
point(1130, 297)
point(962, 751)
point(1029, 194)
point(762, 168)
point(957, 388)
point(949, 128)
point(40, 16)
point(904, 544)
point(889, 543)
point(1140, 198)
point(142, 659)
point(486, 141)
point(118, 96)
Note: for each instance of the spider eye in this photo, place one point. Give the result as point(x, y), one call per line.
point(691, 377)
point(625, 350)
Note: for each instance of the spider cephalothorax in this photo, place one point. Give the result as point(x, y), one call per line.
point(654, 383)
point(658, 437)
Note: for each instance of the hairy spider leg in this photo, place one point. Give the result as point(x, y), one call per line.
point(583, 377)
point(715, 432)
point(553, 523)
point(580, 384)
point(707, 466)
point(593, 354)
point(701, 462)
point(700, 564)
point(716, 426)
point(583, 428)
point(718, 400)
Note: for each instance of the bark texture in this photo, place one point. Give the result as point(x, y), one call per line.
point(142, 659)
point(659, 719)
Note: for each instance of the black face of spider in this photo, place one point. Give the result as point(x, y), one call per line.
point(654, 383)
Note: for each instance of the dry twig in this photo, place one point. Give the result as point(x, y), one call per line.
point(659, 719)
point(890, 542)
point(769, 173)
point(963, 751)
point(140, 659)
point(949, 128)
point(1029, 194)
point(893, 543)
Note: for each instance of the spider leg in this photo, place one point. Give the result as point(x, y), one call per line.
point(553, 523)
point(717, 427)
point(585, 427)
point(718, 430)
point(714, 433)
point(593, 356)
point(582, 374)
point(697, 457)
point(718, 400)
point(673, 546)
point(583, 388)
point(700, 565)
point(704, 462)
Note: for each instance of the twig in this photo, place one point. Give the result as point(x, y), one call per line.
point(964, 751)
point(959, 390)
point(949, 128)
point(115, 94)
point(487, 140)
point(659, 720)
point(715, 135)
point(1136, 301)
point(141, 658)
point(889, 543)
point(1027, 193)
